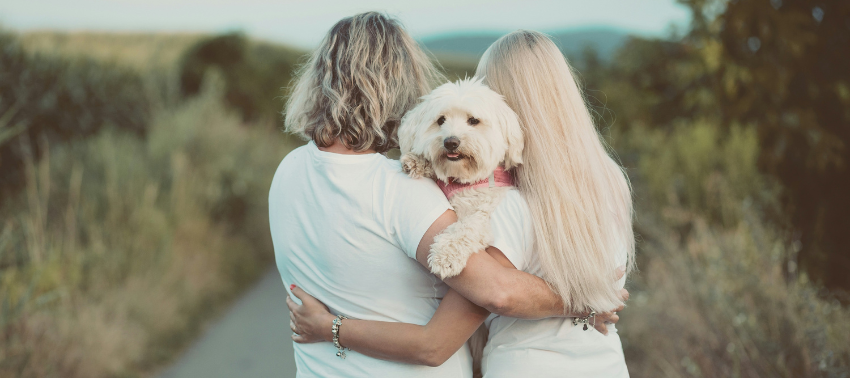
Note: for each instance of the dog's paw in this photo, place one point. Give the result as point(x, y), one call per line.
point(408, 165)
point(446, 265)
point(450, 251)
point(415, 166)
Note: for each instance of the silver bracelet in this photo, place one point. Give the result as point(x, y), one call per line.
point(585, 320)
point(335, 331)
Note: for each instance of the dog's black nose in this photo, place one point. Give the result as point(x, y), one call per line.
point(451, 143)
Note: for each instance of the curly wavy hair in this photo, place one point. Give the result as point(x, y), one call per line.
point(367, 73)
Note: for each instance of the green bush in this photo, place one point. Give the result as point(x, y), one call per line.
point(45, 99)
point(255, 73)
point(683, 168)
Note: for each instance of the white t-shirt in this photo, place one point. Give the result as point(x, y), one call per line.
point(345, 229)
point(543, 348)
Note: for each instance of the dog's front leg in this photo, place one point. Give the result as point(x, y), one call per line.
point(471, 233)
point(416, 166)
point(453, 246)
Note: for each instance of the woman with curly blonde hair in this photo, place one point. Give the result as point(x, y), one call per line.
point(353, 230)
point(574, 218)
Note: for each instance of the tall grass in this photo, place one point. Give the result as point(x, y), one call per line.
point(119, 247)
point(719, 294)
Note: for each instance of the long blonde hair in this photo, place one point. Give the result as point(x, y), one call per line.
point(579, 197)
point(367, 73)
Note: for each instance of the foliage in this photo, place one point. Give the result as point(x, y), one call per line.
point(46, 99)
point(718, 294)
point(785, 71)
point(777, 67)
point(694, 153)
point(456, 67)
point(142, 52)
point(120, 247)
point(255, 73)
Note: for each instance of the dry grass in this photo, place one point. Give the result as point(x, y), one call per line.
point(120, 248)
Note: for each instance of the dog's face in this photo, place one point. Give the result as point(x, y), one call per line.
point(465, 130)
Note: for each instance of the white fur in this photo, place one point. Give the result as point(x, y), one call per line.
point(496, 140)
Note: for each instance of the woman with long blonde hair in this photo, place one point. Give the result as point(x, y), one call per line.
point(574, 218)
point(581, 208)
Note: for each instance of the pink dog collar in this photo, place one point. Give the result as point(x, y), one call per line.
point(499, 178)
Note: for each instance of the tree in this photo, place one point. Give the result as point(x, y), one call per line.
point(786, 70)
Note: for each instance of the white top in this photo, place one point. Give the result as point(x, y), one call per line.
point(345, 229)
point(548, 347)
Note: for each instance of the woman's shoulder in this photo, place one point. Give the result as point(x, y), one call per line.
point(513, 212)
point(296, 155)
point(512, 229)
point(395, 177)
point(290, 161)
point(397, 193)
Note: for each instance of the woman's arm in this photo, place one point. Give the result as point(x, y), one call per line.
point(500, 289)
point(455, 320)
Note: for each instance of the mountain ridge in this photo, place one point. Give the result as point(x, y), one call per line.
point(471, 45)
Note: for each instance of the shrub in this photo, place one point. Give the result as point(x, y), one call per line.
point(47, 99)
point(697, 165)
point(719, 293)
point(255, 73)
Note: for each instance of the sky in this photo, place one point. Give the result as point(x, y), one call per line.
point(304, 23)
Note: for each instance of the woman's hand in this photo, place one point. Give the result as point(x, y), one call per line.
point(310, 321)
point(602, 320)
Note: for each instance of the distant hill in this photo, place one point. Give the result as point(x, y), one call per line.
point(605, 40)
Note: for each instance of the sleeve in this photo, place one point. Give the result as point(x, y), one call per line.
point(512, 232)
point(414, 205)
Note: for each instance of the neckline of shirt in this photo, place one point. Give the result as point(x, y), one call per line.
point(340, 158)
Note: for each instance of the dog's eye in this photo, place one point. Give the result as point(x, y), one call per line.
point(472, 121)
point(441, 120)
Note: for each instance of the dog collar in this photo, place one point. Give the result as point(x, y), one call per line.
point(499, 178)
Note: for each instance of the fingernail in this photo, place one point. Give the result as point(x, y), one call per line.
point(291, 286)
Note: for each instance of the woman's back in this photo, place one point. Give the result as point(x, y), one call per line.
point(346, 228)
point(551, 347)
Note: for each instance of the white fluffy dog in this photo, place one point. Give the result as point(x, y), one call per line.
point(464, 135)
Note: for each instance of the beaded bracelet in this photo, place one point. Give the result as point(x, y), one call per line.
point(586, 319)
point(335, 331)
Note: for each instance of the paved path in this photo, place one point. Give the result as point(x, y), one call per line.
point(251, 340)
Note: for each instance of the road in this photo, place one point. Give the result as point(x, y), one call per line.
point(251, 340)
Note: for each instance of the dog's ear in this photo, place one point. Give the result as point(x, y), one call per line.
point(411, 124)
point(513, 135)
